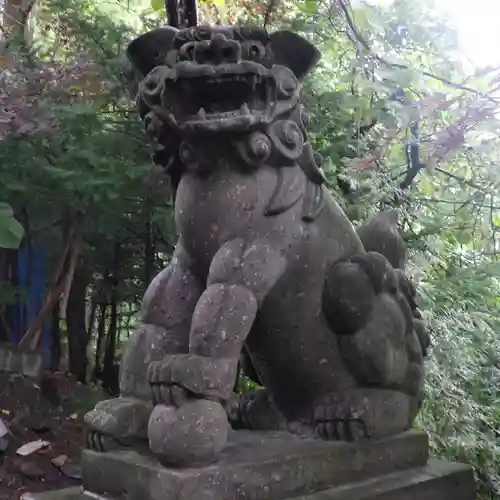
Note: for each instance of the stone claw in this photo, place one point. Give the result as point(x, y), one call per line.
point(116, 423)
point(168, 394)
point(164, 392)
point(341, 429)
point(361, 414)
point(96, 441)
point(339, 422)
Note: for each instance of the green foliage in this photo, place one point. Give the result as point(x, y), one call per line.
point(461, 412)
point(88, 153)
point(11, 232)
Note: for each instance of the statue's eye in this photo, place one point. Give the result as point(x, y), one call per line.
point(186, 52)
point(254, 51)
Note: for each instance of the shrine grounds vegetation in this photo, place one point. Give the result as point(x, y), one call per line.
point(398, 118)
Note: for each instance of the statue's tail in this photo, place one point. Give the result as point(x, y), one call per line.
point(380, 234)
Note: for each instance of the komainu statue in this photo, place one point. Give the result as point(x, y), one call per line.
point(267, 268)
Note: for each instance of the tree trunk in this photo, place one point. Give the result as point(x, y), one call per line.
point(75, 320)
point(109, 375)
point(91, 319)
point(101, 334)
point(19, 18)
point(112, 336)
point(55, 350)
point(149, 251)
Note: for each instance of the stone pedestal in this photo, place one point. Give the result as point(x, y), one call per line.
point(275, 466)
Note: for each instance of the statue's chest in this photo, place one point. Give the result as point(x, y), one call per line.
point(226, 204)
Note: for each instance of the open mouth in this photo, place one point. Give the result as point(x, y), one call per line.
point(217, 98)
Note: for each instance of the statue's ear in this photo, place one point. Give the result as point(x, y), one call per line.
point(294, 52)
point(150, 50)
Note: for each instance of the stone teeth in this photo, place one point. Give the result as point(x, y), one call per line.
point(244, 109)
point(202, 113)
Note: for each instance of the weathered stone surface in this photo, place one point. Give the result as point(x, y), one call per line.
point(266, 263)
point(74, 493)
point(438, 480)
point(16, 360)
point(254, 466)
point(197, 431)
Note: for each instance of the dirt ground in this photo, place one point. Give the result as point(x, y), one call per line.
point(51, 411)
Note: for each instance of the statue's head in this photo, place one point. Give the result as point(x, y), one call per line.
point(220, 78)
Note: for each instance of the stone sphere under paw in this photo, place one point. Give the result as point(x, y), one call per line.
point(191, 435)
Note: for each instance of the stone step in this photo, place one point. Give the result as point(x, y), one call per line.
point(278, 466)
point(255, 466)
point(74, 493)
point(438, 480)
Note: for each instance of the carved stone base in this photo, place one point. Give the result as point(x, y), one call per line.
point(274, 466)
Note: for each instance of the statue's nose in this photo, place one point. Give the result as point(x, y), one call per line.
point(218, 50)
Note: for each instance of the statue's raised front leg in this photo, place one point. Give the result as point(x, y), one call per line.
point(370, 312)
point(167, 311)
point(188, 424)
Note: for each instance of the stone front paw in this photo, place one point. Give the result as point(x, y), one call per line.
point(116, 423)
point(164, 392)
point(178, 377)
point(96, 441)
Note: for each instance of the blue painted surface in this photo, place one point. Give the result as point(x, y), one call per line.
point(31, 270)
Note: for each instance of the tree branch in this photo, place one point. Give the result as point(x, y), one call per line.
point(366, 46)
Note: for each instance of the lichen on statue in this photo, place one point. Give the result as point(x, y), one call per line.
point(267, 266)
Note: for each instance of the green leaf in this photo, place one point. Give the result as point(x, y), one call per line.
point(309, 6)
point(5, 210)
point(464, 237)
point(11, 232)
point(158, 5)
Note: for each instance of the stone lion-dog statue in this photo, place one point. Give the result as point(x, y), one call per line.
point(267, 268)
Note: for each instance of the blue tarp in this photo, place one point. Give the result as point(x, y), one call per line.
point(31, 270)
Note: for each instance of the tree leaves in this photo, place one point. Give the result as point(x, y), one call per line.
point(158, 5)
point(11, 231)
point(308, 7)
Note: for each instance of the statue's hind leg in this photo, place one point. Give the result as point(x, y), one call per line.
point(189, 425)
point(167, 311)
point(369, 311)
